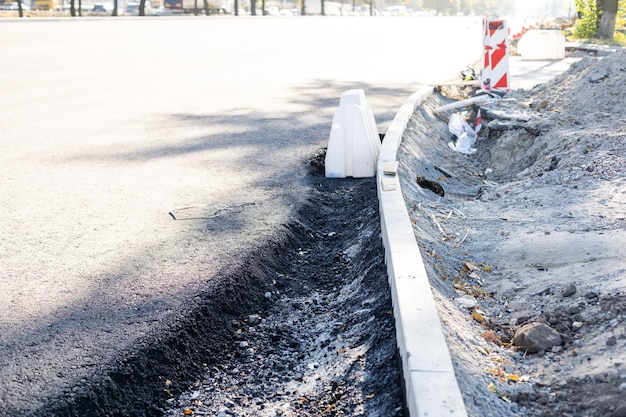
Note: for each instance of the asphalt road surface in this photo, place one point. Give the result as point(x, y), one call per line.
point(109, 125)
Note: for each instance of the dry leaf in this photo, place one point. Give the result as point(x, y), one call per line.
point(477, 316)
point(470, 266)
point(503, 395)
point(479, 292)
point(489, 336)
point(513, 377)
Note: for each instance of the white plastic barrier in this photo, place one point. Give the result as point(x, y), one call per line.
point(542, 44)
point(354, 143)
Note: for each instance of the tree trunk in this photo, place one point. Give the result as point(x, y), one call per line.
point(72, 8)
point(236, 6)
point(20, 10)
point(252, 7)
point(142, 7)
point(206, 7)
point(114, 12)
point(606, 30)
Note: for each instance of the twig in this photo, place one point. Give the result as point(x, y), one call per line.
point(463, 240)
point(432, 217)
point(220, 211)
point(444, 172)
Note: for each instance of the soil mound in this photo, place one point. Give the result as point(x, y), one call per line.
point(528, 236)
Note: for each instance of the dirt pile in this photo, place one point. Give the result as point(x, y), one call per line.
point(570, 122)
point(529, 235)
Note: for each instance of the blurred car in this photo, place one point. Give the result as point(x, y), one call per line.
point(162, 11)
point(132, 8)
point(12, 5)
point(101, 8)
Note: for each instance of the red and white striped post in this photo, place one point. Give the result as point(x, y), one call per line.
point(494, 75)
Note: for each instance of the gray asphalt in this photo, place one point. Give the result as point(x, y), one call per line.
point(108, 125)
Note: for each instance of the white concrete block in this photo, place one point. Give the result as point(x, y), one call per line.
point(542, 44)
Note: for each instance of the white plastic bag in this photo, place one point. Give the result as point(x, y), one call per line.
point(466, 136)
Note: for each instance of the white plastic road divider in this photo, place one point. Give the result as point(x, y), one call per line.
point(542, 44)
point(354, 143)
point(430, 382)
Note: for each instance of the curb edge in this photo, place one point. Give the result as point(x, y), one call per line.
point(431, 388)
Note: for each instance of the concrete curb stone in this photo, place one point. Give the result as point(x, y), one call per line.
point(431, 388)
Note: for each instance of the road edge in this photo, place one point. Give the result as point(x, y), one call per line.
point(431, 388)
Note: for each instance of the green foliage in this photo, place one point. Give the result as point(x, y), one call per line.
point(589, 18)
point(587, 23)
point(621, 16)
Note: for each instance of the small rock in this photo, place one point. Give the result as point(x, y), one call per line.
point(539, 105)
point(598, 75)
point(554, 163)
point(573, 310)
point(466, 301)
point(545, 291)
point(249, 352)
point(535, 337)
point(254, 319)
point(569, 290)
point(591, 295)
point(268, 295)
point(243, 344)
point(611, 341)
point(623, 386)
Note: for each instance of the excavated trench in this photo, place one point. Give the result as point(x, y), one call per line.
point(303, 328)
